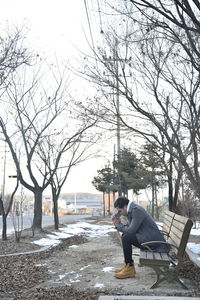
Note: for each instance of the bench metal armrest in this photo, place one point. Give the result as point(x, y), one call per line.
point(146, 244)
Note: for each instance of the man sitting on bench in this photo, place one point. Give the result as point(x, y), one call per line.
point(140, 228)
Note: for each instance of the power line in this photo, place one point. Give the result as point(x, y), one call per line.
point(100, 19)
point(89, 24)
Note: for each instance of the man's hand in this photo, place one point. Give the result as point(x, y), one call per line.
point(116, 220)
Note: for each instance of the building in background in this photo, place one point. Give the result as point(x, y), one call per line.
point(70, 203)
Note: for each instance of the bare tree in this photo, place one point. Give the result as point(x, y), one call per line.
point(5, 209)
point(17, 216)
point(160, 102)
point(13, 55)
point(71, 151)
point(30, 112)
point(178, 19)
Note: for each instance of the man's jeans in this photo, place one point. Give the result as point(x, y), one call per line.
point(129, 239)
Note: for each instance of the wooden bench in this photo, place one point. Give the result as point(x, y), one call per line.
point(176, 229)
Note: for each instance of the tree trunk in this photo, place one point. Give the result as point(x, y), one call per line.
point(156, 201)
point(170, 193)
point(4, 220)
point(177, 188)
point(109, 202)
point(113, 198)
point(55, 211)
point(4, 230)
point(37, 219)
point(104, 206)
point(153, 200)
point(170, 185)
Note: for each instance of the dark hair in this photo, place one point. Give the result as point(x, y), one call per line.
point(121, 202)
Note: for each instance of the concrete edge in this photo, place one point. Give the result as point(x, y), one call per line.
point(195, 258)
point(145, 298)
point(43, 249)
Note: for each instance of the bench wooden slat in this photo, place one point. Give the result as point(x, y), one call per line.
point(179, 226)
point(180, 238)
point(154, 258)
point(149, 255)
point(175, 239)
point(167, 222)
point(143, 254)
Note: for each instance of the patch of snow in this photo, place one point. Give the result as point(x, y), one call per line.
point(61, 276)
point(71, 280)
point(91, 230)
point(47, 242)
point(72, 272)
point(73, 246)
point(85, 267)
point(77, 276)
point(195, 231)
point(41, 265)
point(99, 285)
point(52, 272)
point(62, 235)
point(108, 269)
point(195, 248)
point(52, 236)
point(73, 229)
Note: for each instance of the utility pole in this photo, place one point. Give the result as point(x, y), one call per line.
point(115, 60)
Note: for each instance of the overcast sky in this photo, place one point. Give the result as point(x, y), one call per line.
point(54, 25)
point(55, 28)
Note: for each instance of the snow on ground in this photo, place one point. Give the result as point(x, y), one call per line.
point(107, 269)
point(90, 230)
point(47, 242)
point(99, 285)
point(193, 247)
point(85, 267)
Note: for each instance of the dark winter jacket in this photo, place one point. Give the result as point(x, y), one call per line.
point(144, 227)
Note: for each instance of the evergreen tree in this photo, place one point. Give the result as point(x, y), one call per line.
point(132, 174)
point(152, 162)
point(103, 182)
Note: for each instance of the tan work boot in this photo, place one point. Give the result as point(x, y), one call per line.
point(127, 272)
point(120, 269)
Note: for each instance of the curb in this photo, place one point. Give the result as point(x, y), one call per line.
point(145, 298)
point(43, 249)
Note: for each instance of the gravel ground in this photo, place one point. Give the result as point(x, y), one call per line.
point(71, 273)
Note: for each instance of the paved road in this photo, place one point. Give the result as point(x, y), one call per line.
point(46, 221)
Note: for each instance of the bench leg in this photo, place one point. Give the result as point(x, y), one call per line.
point(168, 274)
point(159, 280)
point(181, 282)
point(159, 273)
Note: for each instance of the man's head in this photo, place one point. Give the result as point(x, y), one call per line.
point(121, 205)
